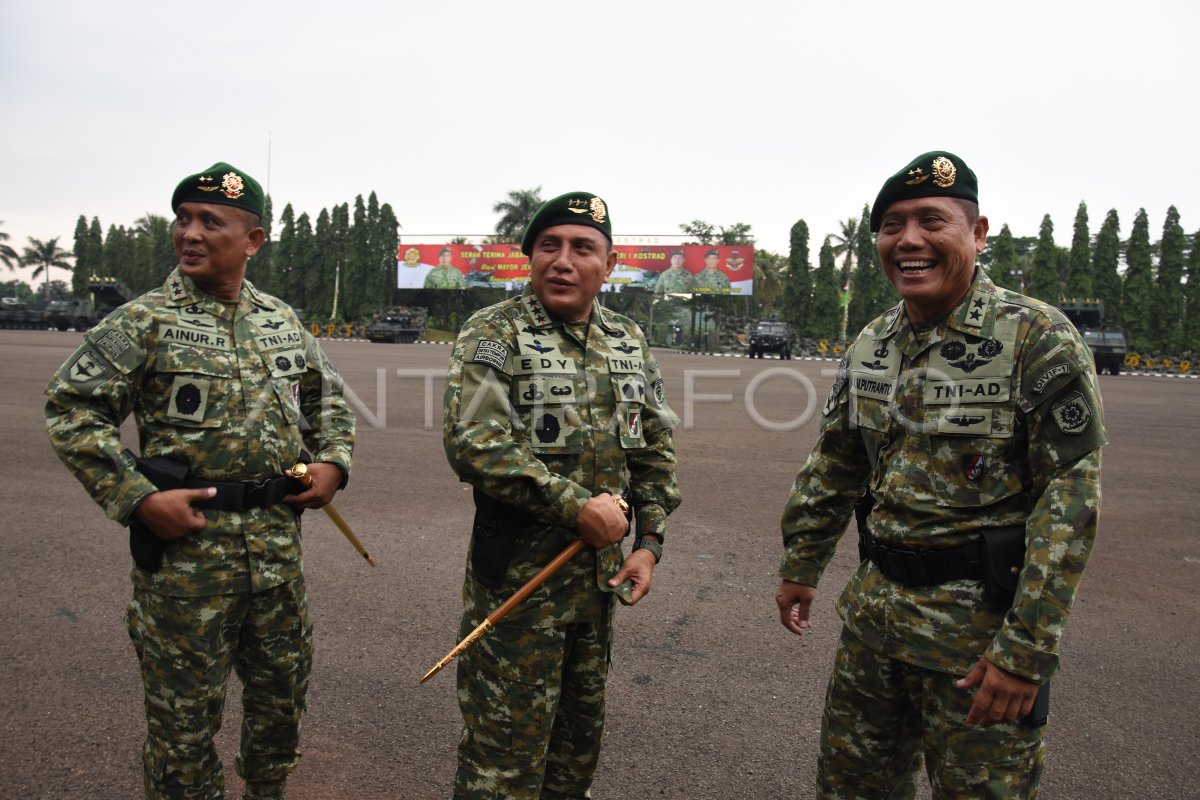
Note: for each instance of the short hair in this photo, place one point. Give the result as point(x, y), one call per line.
point(970, 209)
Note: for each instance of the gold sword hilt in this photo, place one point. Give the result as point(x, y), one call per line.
point(300, 473)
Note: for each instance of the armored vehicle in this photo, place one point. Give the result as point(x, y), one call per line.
point(15, 314)
point(81, 313)
point(771, 336)
point(398, 324)
point(1107, 343)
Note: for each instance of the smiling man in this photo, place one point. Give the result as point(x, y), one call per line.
point(554, 408)
point(218, 377)
point(964, 427)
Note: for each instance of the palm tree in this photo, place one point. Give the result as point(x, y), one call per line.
point(845, 244)
point(45, 255)
point(7, 254)
point(515, 212)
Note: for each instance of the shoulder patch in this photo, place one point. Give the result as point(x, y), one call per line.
point(86, 370)
point(492, 353)
point(117, 346)
point(1072, 413)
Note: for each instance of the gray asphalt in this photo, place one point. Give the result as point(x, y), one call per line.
point(709, 696)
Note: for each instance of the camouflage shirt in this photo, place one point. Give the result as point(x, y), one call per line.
point(675, 279)
point(712, 279)
point(991, 418)
point(542, 416)
point(221, 386)
point(445, 278)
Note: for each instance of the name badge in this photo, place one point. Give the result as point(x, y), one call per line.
point(546, 365)
point(178, 334)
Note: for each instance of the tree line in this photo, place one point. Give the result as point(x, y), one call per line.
point(347, 257)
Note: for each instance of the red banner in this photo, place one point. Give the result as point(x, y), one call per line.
point(662, 269)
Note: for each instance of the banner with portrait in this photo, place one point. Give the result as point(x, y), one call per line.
point(661, 269)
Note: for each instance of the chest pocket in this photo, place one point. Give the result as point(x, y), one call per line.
point(286, 367)
point(629, 392)
point(971, 416)
point(194, 385)
point(546, 402)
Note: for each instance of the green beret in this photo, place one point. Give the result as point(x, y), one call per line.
point(934, 174)
point(572, 208)
point(221, 184)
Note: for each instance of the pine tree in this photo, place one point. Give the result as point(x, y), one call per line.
point(1079, 270)
point(1004, 260)
point(871, 292)
point(386, 244)
point(1042, 282)
point(262, 270)
point(83, 258)
point(1167, 321)
point(1191, 299)
point(1106, 257)
point(283, 259)
point(797, 292)
point(824, 312)
point(1137, 290)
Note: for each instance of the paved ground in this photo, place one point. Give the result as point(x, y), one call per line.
point(710, 697)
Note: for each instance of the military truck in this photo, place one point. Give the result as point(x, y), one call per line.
point(81, 313)
point(1107, 343)
point(771, 336)
point(398, 324)
point(15, 314)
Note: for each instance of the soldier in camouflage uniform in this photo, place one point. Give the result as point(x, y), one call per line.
point(554, 407)
point(675, 278)
point(710, 278)
point(970, 416)
point(445, 275)
point(217, 375)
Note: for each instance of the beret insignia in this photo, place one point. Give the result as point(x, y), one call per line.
point(918, 176)
point(233, 188)
point(599, 212)
point(944, 172)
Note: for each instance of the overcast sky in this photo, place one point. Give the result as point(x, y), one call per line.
point(755, 112)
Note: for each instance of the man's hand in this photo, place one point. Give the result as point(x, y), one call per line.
point(326, 478)
point(169, 514)
point(795, 602)
point(601, 523)
point(639, 567)
point(1002, 696)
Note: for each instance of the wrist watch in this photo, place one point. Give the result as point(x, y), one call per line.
point(653, 545)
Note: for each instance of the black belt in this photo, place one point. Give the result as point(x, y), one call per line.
point(914, 567)
point(245, 495)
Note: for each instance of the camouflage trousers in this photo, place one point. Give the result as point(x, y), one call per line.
point(532, 701)
point(883, 716)
point(186, 647)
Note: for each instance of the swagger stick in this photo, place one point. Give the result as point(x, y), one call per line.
point(300, 473)
point(517, 598)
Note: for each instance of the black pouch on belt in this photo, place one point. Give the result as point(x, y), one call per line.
point(144, 545)
point(1003, 558)
point(495, 537)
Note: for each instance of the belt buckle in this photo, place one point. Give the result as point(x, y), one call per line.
point(253, 493)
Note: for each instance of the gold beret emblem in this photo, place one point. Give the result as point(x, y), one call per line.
point(917, 176)
point(598, 210)
point(232, 186)
point(944, 172)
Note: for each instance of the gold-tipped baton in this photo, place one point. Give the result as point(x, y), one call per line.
point(517, 598)
point(300, 473)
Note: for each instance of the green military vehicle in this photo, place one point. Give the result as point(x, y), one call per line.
point(1107, 343)
point(15, 314)
point(771, 336)
point(398, 324)
point(82, 313)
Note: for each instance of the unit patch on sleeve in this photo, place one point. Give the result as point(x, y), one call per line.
point(492, 353)
point(1072, 413)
